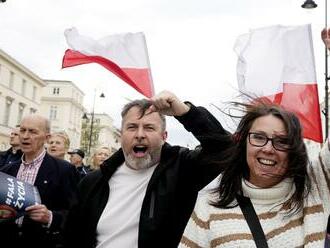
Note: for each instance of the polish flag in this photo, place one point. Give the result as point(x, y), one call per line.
point(125, 55)
point(277, 63)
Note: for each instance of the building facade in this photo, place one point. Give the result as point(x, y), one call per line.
point(20, 95)
point(62, 103)
point(22, 92)
point(101, 133)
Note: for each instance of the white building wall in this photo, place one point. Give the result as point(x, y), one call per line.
point(20, 93)
point(62, 104)
point(27, 93)
point(109, 135)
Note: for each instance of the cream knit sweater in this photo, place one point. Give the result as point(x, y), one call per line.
point(214, 227)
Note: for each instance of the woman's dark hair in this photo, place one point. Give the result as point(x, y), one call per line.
point(236, 167)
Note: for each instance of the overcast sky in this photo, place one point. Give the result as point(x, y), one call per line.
point(190, 44)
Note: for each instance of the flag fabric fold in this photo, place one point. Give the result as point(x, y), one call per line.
point(125, 55)
point(277, 63)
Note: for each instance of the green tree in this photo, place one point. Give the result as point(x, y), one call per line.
point(87, 138)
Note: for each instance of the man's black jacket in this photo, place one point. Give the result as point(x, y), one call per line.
point(171, 192)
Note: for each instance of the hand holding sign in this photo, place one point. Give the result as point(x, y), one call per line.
point(39, 213)
point(16, 196)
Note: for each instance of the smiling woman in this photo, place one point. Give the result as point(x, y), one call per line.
point(267, 164)
point(267, 179)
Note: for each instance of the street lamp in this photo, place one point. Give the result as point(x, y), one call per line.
point(85, 117)
point(310, 4)
point(92, 122)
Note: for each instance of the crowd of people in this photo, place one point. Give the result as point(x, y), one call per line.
point(253, 188)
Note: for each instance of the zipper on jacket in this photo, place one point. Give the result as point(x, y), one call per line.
point(152, 205)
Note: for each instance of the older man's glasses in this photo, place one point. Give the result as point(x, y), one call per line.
point(260, 140)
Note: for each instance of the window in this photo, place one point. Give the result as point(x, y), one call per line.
point(32, 111)
point(1, 70)
point(21, 107)
point(56, 90)
point(53, 112)
point(9, 102)
point(11, 80)
point(34, 93)
point(23, 90)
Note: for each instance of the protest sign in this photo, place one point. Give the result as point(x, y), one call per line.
point(15, 196)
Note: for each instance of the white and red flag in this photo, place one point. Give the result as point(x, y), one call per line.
point(125, 55)
point(277, 63)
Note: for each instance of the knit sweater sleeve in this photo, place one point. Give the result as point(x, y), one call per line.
point(325, 156)
point(196, 234)
point(320, 175)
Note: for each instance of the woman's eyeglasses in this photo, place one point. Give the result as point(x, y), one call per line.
point(260, 140)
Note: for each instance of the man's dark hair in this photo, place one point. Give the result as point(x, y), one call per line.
point(143, 105)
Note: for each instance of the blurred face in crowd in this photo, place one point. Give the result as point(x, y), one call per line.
point(267, 159)
point(14, 138)
point(142, 138)
point(33, 134)
point(56, 146)
point(75, 159)
point(100, 156)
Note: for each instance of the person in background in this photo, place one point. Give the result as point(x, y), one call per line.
point(14, 153)
point(143, 195)
point(56, 181)
point(267, 172)
point(77, 159)
point(100, 155)
point(58, 144)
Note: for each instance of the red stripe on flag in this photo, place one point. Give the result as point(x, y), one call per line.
point(142, 76)
point(302, 99)
point(139, 79)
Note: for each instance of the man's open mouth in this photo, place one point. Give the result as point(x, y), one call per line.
point(140, 150)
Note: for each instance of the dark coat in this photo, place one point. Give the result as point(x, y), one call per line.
point(171, 192)
point(8, 157)
point(57, 184)
point(83, 170)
